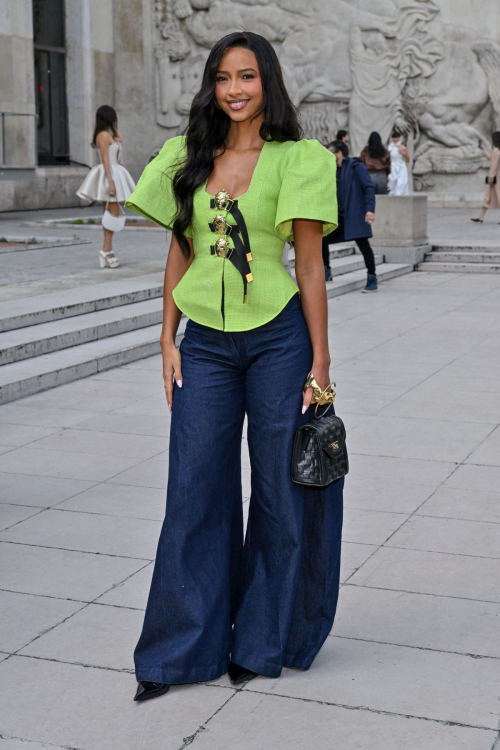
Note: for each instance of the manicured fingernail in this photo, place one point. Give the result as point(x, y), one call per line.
point(304, 409)
point(179, 383)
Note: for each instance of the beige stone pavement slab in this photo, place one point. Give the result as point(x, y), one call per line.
point(354, 556)
point(12, 514)
point(62, 574)
point(435, 573)
point(135, 424)
point(448, 535)
point(119, 500)
point(10, 743)
point(481, 478)
point(150, 406)
point(24, 617)
point(146, 474)
point(67, 464)
point(369, 494)
point(17, 434)
point(88, 532)
point(132, 593)
point(430, 622)
point(465, 505)
point(403, 470)
point(17, 413)
point(427, 439)
point(103, 443)
point(252, 720)
point(488, 452)
point(370, 527)
point(406, 681)
point(425, 409)
point(92, 709)
point(18, 489)
point(97, 636)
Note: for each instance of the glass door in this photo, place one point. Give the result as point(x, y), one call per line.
point(50, 81)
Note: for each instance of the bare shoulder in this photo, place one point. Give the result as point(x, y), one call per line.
point(103, 139)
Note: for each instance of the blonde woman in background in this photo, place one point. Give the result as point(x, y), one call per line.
point(109, 181)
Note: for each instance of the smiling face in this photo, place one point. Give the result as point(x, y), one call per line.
point(238, 88)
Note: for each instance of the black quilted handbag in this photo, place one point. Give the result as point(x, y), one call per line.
point(319, 454)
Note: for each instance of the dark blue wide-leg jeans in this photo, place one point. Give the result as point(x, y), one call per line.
point(268, 600)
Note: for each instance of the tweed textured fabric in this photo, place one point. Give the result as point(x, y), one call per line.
point(292, 180)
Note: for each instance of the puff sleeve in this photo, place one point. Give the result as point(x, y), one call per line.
point(153, 196)
point(308, 188)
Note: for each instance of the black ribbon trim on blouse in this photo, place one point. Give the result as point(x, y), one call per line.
point(242, 254)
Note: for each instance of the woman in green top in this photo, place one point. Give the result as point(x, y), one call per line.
point(233, 190)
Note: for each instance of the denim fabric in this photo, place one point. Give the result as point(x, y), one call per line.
point(279, 586)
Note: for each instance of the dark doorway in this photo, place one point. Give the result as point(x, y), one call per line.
point(50, 81)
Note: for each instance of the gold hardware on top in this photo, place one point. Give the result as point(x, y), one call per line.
point(320, 397)
point(221, 199)
point(249, 257)
point(334, 446)
point(220, 224)
point(221, 246)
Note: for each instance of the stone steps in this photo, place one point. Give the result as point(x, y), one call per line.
point(460, 267)
point(31, 376)
point(34, 341)
point(466, 247)
point(60, 337)
point(459, 256)
point(462, 258)
point(43, 308)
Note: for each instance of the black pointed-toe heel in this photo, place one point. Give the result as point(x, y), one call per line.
point(146, 690)
point(478, 221)
point(239, 674)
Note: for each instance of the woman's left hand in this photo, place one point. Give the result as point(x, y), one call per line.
point(322, 375)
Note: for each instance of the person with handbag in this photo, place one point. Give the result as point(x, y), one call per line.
point(240, 184)
point(109, 181)
point(492, 196)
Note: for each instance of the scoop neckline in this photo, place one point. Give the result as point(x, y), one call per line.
point(251, 179)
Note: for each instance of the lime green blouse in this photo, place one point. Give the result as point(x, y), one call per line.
point(292, 180)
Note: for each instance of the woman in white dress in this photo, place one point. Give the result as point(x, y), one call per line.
point(398, 178)
point(108, 182)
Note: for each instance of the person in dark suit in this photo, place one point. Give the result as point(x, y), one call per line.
point(356, 209)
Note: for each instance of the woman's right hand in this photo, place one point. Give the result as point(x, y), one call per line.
point(171, 368)
point(111, 189)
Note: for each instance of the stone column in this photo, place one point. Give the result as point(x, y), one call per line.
point(17, 86)
point(80, 79)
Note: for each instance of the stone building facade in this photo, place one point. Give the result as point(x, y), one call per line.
point(431, 67)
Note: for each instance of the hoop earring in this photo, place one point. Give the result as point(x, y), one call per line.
point(217, 103)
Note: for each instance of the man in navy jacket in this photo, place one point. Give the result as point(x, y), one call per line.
point(356, 205)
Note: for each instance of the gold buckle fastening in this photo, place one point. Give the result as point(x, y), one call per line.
point(222, 201)
point(222, 248)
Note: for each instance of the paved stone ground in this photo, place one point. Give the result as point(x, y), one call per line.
point(413, 661)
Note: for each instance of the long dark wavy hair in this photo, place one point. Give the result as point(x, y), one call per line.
point(105, 119)
point(208, 126)
point(375, 147)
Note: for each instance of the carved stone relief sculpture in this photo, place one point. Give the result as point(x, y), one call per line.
point(369, 65)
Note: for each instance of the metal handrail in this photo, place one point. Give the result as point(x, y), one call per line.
point(4, 143)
